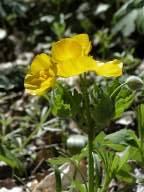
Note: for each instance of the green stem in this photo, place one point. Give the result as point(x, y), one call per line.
point(141, 149)
point(140, 128)
point(58, 179)
point(90, 136)
point(105, 185)
point(90, 162)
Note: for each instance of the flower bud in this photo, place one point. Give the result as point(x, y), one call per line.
point(134, 82)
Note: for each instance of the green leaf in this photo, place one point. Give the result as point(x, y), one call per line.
point(102, 107)
point(135, 154)
point(97, 166)
point(140, 20)
point(123, 101)
point(100, 138)
point(127, 24)
point(4, 82)
point(123, 137)
point(64, 101)
point(124, 174)
point(59, 160)
point(127, 7)
point(107, 159)
point(104, 141)
point(75, 158)
point(58, 29)
point(112, 162)
point(124, 158)
point(77, 185)
point(114, 146)
point(134, 141)
point(114, 165)
point(140, 118)
point(128, 16)
point(119, 137)
point(9, 158)
point(112, 87)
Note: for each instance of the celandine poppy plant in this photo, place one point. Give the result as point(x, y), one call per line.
point(69, 57)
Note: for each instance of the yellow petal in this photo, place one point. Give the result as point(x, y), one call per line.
point(83, 64)
point(77, 66)
point(65, 49)
point(35, 86)
point(109, 69)
point(40, 62)
point(41, 76)
point(83, 41)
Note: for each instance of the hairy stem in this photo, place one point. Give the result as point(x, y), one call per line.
point(90, 162)
point(90, 136)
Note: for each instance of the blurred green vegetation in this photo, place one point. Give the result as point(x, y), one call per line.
point(29, 131)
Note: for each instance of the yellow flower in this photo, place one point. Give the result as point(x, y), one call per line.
point(41, 76)
point(71, 48)
point(69, 57)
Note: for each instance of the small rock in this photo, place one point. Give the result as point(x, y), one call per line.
point(3, 34)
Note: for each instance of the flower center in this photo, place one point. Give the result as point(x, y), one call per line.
point(43, 75)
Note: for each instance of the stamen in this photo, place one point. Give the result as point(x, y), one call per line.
point(43, 75)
